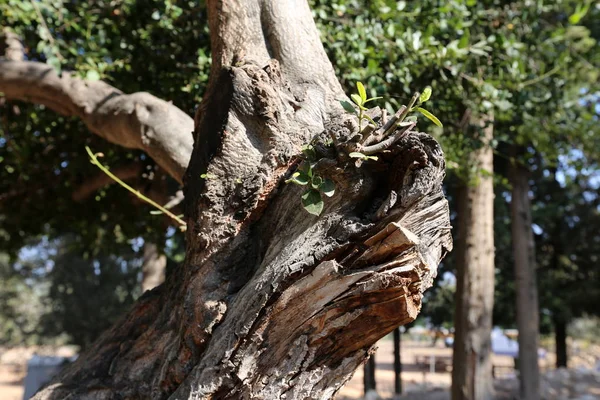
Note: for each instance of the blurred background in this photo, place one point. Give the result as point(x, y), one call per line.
point(515, 84)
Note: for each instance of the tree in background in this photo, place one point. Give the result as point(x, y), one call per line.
point(568, 243)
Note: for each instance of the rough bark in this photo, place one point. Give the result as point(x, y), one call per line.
point(560, 339)
point(136, 121)
point(153, 268)
point(272, 302)
point(525, 283)
point(472, 366)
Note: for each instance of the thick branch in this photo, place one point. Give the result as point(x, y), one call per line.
point(137, 121)
point(10, 45)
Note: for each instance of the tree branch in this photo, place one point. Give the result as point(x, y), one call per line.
point(136, 121)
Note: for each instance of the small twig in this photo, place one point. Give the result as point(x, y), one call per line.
point(43, 22)
point(408, 109)
point(539, 78)
point(384, 116)
point(94, 160)
point(389, 124)
point(376, 148)
point(369, 129)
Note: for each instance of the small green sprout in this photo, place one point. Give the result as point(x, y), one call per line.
point(207, 176)
point(304, 176)
point(426, 95)
point(360, 100)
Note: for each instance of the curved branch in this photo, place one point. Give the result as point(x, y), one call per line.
point(136, 121)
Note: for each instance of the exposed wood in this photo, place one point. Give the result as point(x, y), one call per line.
point(272, 302)
point(472, 366)
point(525, 283)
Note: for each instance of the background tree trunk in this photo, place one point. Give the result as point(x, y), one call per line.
point(153, 268)
point(471, 362)
point(397, 362)
point(369, 383)
point(525, 283)
point(560, 337)
point(272, 302)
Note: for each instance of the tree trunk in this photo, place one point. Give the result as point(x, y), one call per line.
point(560, 337)
point(369, 383)
point(272, 302)
point(397, 362)
point(525, 283)
point(154, 267)
point(471, 360)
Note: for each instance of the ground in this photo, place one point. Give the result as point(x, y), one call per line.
point(418, 381)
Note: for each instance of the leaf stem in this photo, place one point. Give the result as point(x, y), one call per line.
point(94, 160)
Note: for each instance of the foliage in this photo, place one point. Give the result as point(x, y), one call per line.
point(568, 244)
point(133, 45)
point(311, 198)
point(21, 306)
point(508, 58)
point(88, 294)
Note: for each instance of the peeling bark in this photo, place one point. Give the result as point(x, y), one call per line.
point(272, 302)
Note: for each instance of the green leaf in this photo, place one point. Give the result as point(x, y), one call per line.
point(328, 187)
point(92, 75)
point(309, 152)
point(365, 116)
point(207, 176)
point(372, 99)
point(357, 99)
point(299, 178)
point(312, 202)
point(361, 91)
point(580, 12)
point(425, 95)
point(156, 212)
point(348, 107)
point(463, 43)
point(306, 168)
point(430, 116)
point(316, 181)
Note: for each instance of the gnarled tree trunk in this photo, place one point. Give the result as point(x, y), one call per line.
point(272, 302)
